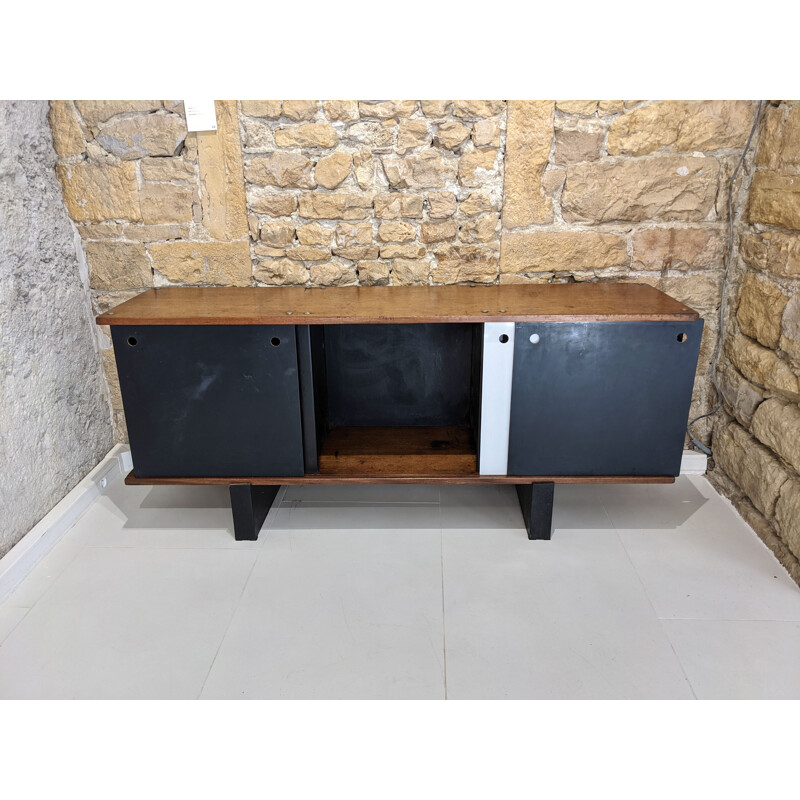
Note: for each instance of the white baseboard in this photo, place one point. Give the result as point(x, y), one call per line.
point(693, 463)
point(34, 546)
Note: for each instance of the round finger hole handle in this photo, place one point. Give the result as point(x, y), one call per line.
point(534, 338)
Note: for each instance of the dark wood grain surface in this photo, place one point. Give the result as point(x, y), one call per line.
point(289, 305)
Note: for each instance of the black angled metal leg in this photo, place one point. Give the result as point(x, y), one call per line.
point(250, 505)
point(536, 501)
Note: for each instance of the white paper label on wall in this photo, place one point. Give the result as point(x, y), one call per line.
point(498, 368)
point(201, 115)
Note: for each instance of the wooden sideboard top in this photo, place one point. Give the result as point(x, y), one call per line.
point(290, 305)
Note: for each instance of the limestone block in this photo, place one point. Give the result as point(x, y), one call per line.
point(478, 203)
point(774, 199)
point(273, 205)
point(165, 203)
point(778, 253)
point(204, 263)
point(451, 135)
point(299, 110)
point(396, 232)
point(407, 272)
point(529, 136)
point(435, 108)
point(100, 192)
point(156, 233)
point(739, 395)
point(395, 205)
point(761, 305)
point(349, 235)
point(482, 229)
point(790, 328)
point(661, 189)
point(222, 192)
point(67, 134)
point(477, 166)
point(269, 109)
point(148, 135)
point(423, 170)
point(684, 126)
point(583, 108)
point(313, 233)
point(118, 265)
point(777, 425)
point(558, 251)
point(341, 205)
point(779, 145)
point(438, 231)
point(372, 134)
point(373, 273)
point(332, 274)
point(101, 230)
point(486, 133)
point(364, 169)
point(478, 108)
point(277, 234)
point(787, 515)
point(441, 205)
point(607, 108)
point(762, 366)
point(95, 112)
point(311, 134)
point(257, 135)
point(750, 465)
point(657, 249)
point(574, 145)
point(700, 292)
point(464, 264)
point(306, 253)
point(358, 252)
point(332, 170)
point(285, 170)
point(340, 110)
point(281, 272)
point(389, 109)
point(167, 169)
point(413, 133)
point(403, 251)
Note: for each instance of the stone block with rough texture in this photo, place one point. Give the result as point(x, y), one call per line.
point(373, 273)
point(66, 130)
point(312, 134)
point(166, 203)
point(277, 234)
point(739, 395)
point(342, 205)
point(315, 234)
point(332, 274)
point(388, 109)
point(273, 205)
point(451, 135)
point(772, 251)
point(396, 205)
point(659, 189)
point(787, 515)
point(284, 170)
point(413, 133)
point(435, 108)
point(441, 205)
point(478, 203)
point(407, 272)
point(149, 135)
point(204, 263)
point(751, 466)
point(425, 169)
point(478, 108)
point(299, 110)
point(95, 112)
point(269, 109)
point(340, 110)
point(280, 272)
point(477, 167)
point(683, 126)
point(790, 329)
point(777, 425)
point(331, 171)
point(438, 231)
point(774, 199)
point(529, 136)
point(656, 249)
point(118, 265)
point(558, 251)
point(779, 145)
point(761, 305)
point(396, 232)
point(762, 366)
point(100, 192)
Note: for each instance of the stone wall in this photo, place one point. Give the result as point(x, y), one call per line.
point(757, 440)
point(55, 421)
point(335, 193)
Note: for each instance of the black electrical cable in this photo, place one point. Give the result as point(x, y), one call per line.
point(715, 358)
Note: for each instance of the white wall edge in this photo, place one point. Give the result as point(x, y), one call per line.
point(694, 463)
point(18, 562)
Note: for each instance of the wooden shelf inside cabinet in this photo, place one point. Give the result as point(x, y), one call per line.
point(398, 451)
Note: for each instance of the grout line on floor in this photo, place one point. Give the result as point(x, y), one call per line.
point(228, 626)
point(650, 603)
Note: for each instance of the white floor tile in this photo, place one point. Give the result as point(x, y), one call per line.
point(716, 568)
point(337, 614)
point(730, 660)
point(10, 617)
point(480, 507)
point(126, 623)
point(329, 516)
point(566, 618)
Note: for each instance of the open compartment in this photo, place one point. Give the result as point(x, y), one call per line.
point(392, 399)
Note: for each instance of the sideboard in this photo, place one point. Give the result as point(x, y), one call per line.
point(529, 385)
